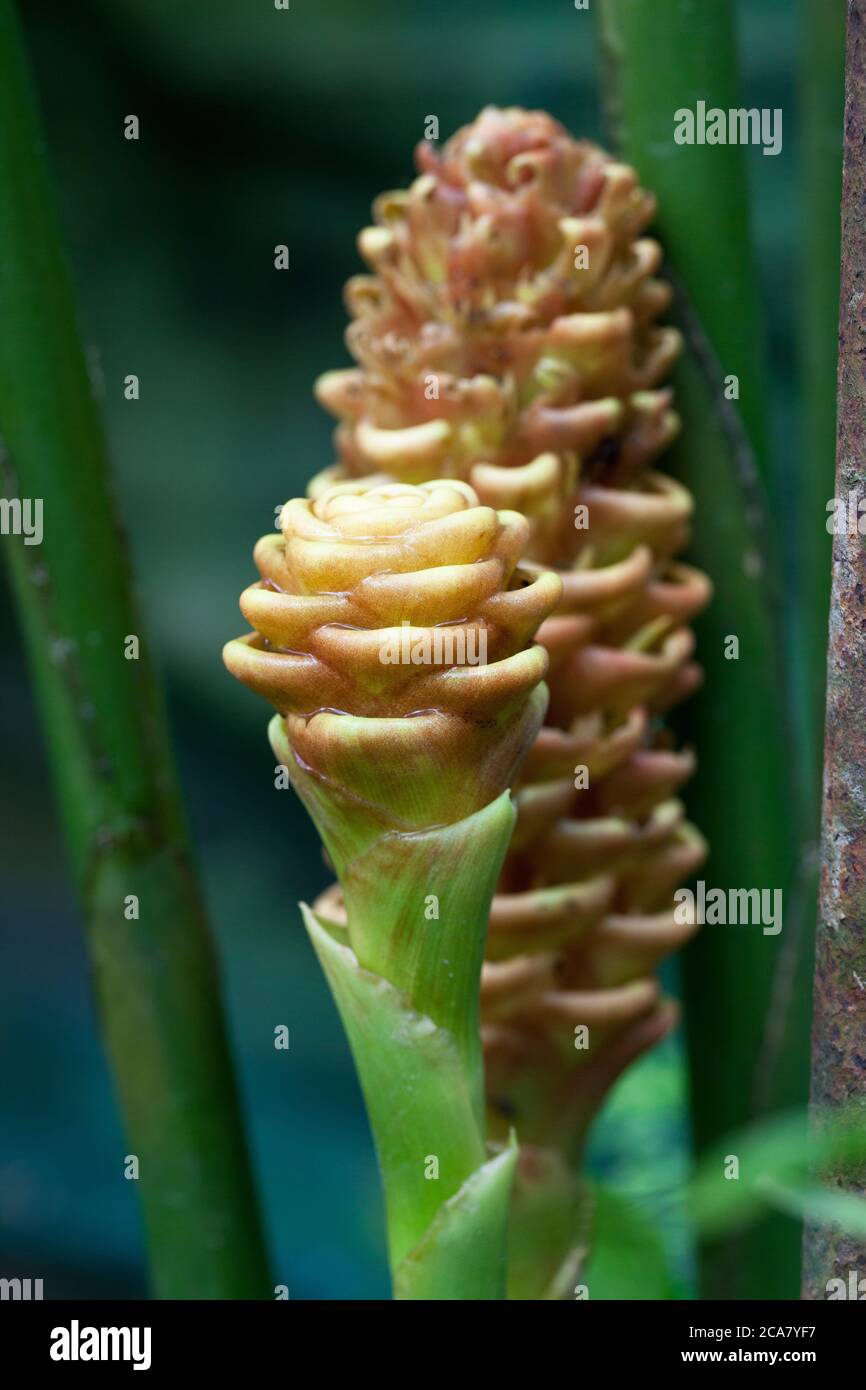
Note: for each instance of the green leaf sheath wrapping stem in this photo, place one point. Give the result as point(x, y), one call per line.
point(446, 1226)
point(405, 976)
point(155, 977)
point(433, 961)
point(746, 994)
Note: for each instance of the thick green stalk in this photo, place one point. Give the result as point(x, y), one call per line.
point(823, 94)
point(153, 964)
point(702, 189)
point(405, 975)
point(747, 1021)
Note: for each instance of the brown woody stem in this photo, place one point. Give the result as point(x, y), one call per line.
point(838, 1063)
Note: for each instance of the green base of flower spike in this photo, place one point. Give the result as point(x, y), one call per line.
point(405, 978)
point(447, 1202)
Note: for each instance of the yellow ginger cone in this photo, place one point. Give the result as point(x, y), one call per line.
point(393, 632)
point(402, 607)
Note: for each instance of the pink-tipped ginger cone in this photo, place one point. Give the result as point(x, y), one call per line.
point(507, 334)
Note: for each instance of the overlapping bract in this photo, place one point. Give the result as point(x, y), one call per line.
point(507, 336)
point(367, 601)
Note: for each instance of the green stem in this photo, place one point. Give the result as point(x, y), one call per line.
point(747, 1019)
point(153, 964)
point(405, 974)
point(702, 190)
point(823, 98)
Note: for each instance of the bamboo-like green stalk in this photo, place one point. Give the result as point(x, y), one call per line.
point(747, 1023)
point(153, 964)
point(702, 190)
point(838, 1084)
point(822, 90)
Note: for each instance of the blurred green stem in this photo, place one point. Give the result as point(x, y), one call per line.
point(702, 190)
point(823, 96)
point(153, 964)
point(746, 994)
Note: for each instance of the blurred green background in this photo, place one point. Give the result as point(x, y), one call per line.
point(260, 127)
